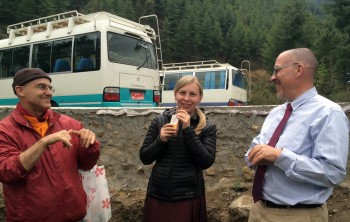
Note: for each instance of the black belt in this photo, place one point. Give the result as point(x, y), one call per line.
point(273, 205)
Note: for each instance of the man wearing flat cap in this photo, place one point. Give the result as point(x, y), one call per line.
point(40, 154)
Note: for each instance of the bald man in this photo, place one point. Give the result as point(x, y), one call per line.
point(309, 155)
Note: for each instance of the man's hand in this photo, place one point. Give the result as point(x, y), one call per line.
point(87, 137)
point(29, 157)
point(263, 154)
point(63, 136)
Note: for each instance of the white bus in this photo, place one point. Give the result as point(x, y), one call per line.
point(95, 60)
point(223, 84)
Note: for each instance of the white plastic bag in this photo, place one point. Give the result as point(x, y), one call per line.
point(98, 206)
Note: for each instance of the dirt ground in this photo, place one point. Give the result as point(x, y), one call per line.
point(126, 206)
point(127, 177)
point(338, 205)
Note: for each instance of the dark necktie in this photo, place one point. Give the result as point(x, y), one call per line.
point(260, 171)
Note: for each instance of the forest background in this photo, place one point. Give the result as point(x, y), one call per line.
point(229, 31)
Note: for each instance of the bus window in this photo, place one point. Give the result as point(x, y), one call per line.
point(170, 81)
point(14, 59)
point(53, 56)
point(131, 51)
point(61, 55)
point(20, 58)
point(87, 52)
point(5, 61)
point(238, 79)
point(42, 56)
point(185, 74)
point(212, 79)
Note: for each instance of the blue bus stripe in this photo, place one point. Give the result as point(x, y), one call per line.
point(96, 100)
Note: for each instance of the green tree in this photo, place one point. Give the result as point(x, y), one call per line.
point(237, 43)
point(149, 7)
point(187, 26)
point(332, 50)
point(167, 42)
point(323, 80)
point(125, 9)
point(340, 9)
point(287, 32)
point(160, 9)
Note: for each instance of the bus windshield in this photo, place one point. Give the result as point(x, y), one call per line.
point(239, 80)
point(131, 51)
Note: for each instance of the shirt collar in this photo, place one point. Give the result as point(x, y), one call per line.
point(303, 98)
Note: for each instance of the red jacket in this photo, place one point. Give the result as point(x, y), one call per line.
point(52, 190)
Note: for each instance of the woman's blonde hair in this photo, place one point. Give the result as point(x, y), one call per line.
point(184, 81)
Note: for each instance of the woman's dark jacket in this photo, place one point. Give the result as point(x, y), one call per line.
point(177, 173)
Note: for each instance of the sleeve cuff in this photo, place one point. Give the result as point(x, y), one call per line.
point(20, 167)
point(285, 160)
point(93, 148)
point(160, 142)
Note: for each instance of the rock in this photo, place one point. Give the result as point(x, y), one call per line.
point(255, 128)
point(140, 170)
point(239, 208)
point(248, 173)
point(335, 211)
point(210, 172)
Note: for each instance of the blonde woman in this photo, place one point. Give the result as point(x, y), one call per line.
point(181, 151)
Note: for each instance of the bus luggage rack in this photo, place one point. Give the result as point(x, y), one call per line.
point(192, 65)
point(41, 24)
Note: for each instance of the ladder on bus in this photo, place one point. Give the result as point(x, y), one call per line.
point(151, 33)
point(247, 71)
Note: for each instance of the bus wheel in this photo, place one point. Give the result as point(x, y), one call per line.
point(53, 104)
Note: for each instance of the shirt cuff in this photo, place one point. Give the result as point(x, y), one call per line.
point(285, 160)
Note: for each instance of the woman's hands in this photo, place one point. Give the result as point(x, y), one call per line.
point(184, 117)
point(169, 130)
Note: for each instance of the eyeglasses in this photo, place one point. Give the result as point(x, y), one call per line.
point(43, 87)
point(276, 69)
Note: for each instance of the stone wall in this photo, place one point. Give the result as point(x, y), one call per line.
point(121, 133)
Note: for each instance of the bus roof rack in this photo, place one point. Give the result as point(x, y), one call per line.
point(192, 65)
point(43, 24)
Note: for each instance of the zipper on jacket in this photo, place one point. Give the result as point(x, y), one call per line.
point(170, 179)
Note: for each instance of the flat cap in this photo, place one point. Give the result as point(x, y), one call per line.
point(26, 75)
